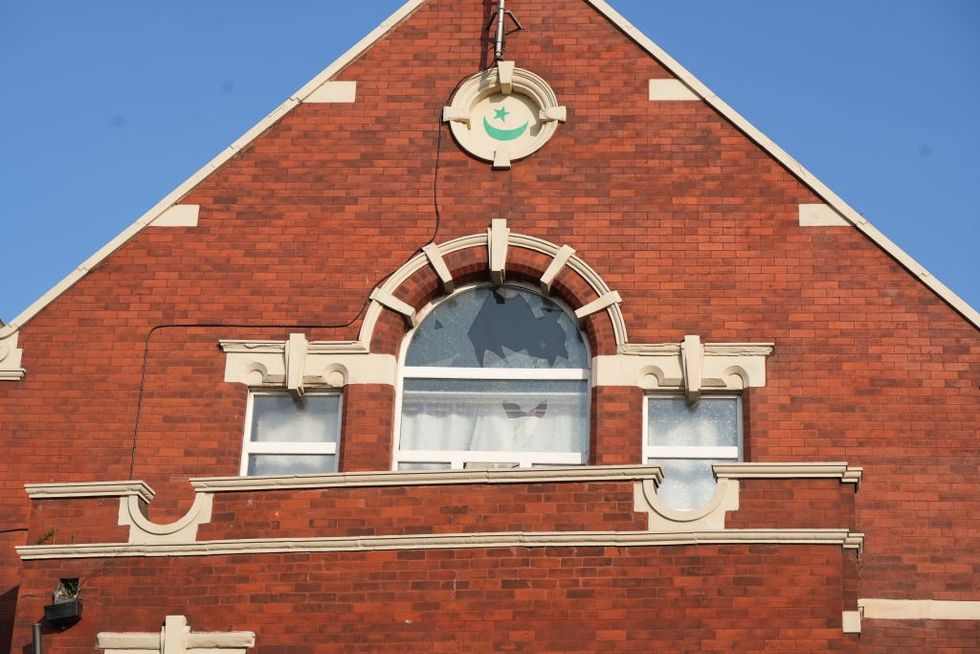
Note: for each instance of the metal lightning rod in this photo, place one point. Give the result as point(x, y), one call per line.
point(503, 12)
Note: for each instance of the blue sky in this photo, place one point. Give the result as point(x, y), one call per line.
point(107, 106)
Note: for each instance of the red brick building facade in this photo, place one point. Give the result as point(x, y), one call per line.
point(712, 408)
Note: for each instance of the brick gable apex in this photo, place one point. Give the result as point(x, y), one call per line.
point(402, 19)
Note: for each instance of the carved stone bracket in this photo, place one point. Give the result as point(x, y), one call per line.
point(497, 237)
point(296, 363)
point(10, 357)
point(689, 366)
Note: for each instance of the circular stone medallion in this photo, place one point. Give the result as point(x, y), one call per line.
point(504, 114)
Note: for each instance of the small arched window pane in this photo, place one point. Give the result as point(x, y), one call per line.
point(498, 328)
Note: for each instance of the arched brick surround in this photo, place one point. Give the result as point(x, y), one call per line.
point(467, 259)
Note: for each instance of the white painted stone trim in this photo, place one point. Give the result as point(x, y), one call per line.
point(132, 514)
point(723, 366)
point(295, 351)
point(505, 76)
point(325, 364)
point(382, 30)
point(271, 347)
point(498, 236)
point(670, 90)
point(692, 364)
point(430, 478)
point(175, 638)
point(389, 301)
point(851, 622)
point(552, 114)
point(601, 303)
point(129, 643)
point(10, 358)
point(663, 518)
point(836, 537)
point(438, 264)
point(815, 470)
point(179, 215)
point(921, 609)
point(558, 263)
point(333, 93)
point(80, 490)
point(821, 215)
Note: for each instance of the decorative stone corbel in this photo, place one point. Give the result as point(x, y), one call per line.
point(456, 115)
point(497, 239)
point(175, 637)
point(557, 264)
point(599, 304)
point(389, 301)
point(692, 361)
point(10, 359)
point(553, 114)
point(294, 354)
point(505, 76)
point(432, 253)
point(851, 621)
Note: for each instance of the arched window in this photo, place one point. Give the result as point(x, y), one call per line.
point(494, 377)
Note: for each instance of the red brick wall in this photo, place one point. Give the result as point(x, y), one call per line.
point(448, 509)
point(86, 520)
point(691, 222)
point(793, 504)
point(368, 425)
point(678, 599)
point(599, 506)
point(617, 425)
point(947, 636)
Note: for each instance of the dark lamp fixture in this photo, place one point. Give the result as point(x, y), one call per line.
point(66, 608)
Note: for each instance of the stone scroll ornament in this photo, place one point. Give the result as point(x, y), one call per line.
point(504, 114)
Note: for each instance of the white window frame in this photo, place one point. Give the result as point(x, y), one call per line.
point(653, 453)
point(460, 459)
point(250, 447)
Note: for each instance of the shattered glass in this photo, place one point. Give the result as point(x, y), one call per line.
point(508, 328)
point(498, 328)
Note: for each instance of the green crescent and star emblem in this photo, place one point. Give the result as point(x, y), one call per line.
point(502, 134)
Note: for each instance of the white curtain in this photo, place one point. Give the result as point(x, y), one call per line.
point(495, 422)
